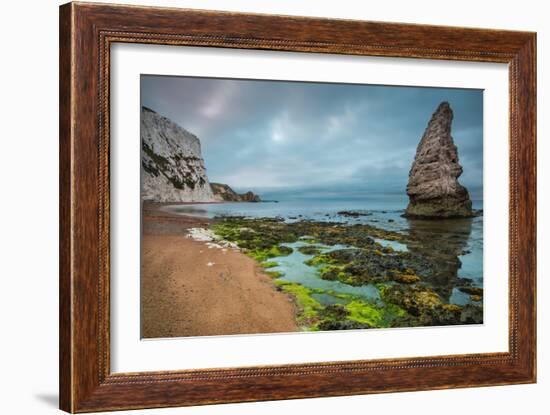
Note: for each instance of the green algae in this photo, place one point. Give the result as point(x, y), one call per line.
point(365, 313)
point(375, 315)
point(352, 313)
point(262, 255)
point(320, 259)
point(274, 274)
point(258, 245)
point(309, 307)
point(226, 231)
point(336, 273)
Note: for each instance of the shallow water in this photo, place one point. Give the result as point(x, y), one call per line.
point(460, 298)
point(396, 246)
point(295, 270)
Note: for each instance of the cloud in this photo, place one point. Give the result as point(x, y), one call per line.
point(218, 101)
point(293, 135)
point(280, 127)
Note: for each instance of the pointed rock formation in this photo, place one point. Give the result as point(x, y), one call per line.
point(172, 165)
point(433, 188)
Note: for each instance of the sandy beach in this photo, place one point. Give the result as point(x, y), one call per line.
point(191, 289)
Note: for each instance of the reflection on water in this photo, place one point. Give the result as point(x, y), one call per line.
point(443, 243)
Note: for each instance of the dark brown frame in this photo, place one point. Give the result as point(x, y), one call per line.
point(86, 33)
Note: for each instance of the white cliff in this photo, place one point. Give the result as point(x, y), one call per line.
point(172, 164)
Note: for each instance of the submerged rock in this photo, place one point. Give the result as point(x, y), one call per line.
point(353, 213)
point(472, 290)
point(310, 250)
point(433, 188)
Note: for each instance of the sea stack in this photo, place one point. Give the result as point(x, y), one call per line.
point(433, 189)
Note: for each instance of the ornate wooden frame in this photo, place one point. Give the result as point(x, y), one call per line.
point(86, 33)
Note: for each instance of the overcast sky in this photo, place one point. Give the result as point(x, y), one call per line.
point(269, 136)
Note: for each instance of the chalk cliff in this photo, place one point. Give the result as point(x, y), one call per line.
point(172, 165)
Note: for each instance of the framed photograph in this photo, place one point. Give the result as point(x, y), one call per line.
point(258, 207)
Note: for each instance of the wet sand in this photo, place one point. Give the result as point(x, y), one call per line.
point(189, 289)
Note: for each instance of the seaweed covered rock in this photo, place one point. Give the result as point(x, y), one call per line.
point(368, 266)
point(310, 250)
point(472, 290)
point(265, 232)
point(342, 325)
point(471, 314)
point(425, 308)
point(433, 188)
point(416, 300)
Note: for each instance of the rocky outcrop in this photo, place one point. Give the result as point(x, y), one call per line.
point(433, 188)
point(172, 165)
point(224, 193)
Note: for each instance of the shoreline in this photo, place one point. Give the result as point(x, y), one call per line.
point(191, 288)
